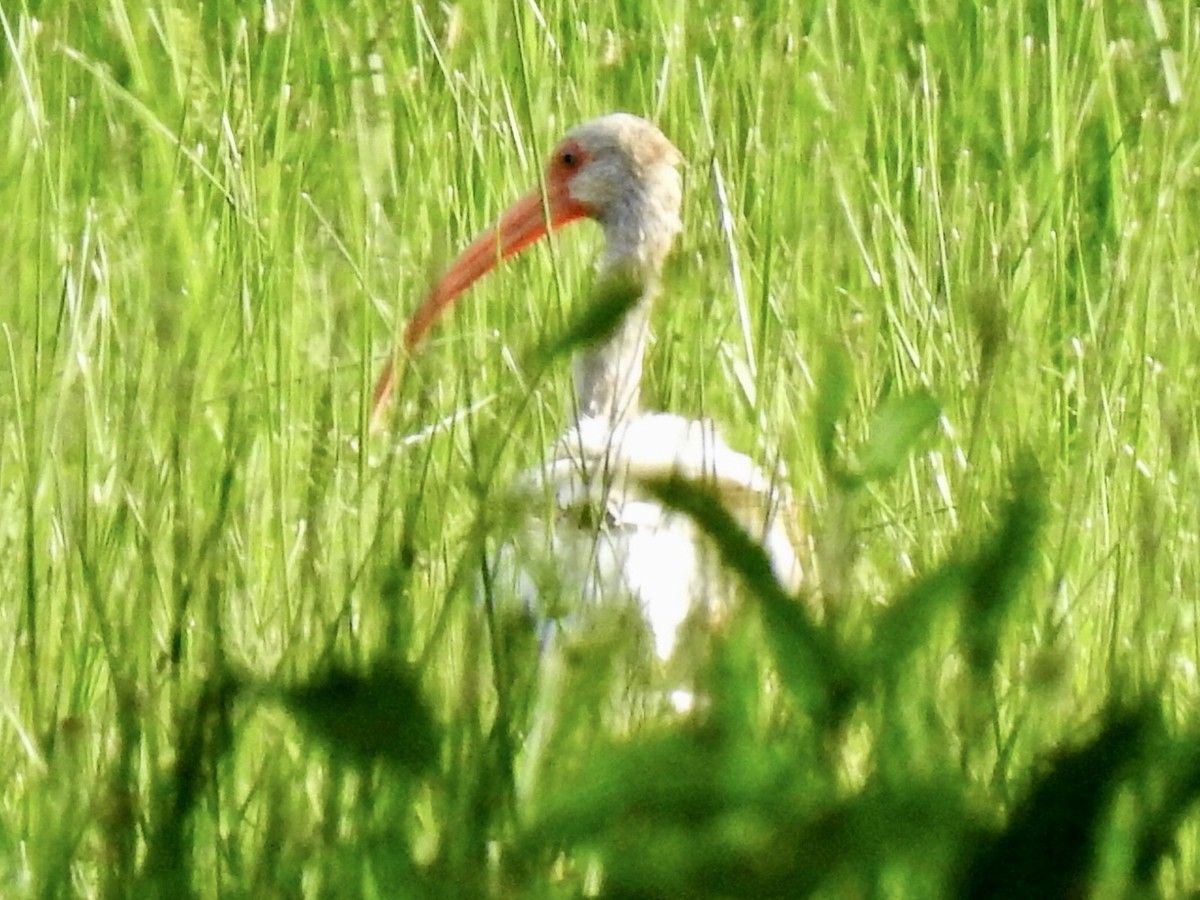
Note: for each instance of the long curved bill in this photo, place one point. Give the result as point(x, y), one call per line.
point(522, 224)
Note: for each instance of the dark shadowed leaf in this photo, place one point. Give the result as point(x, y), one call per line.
point(205, 734)
point(895, 429)
point(1048, 847)
point(1158, 829)
point(833, 396)
point(905, 625)
point(379, 715)
point(805, 656)
point(699, 813)
point(1000, 569)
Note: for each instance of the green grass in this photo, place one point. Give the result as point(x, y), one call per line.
point(244, 644)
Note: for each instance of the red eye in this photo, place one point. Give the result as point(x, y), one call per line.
point(569, 159)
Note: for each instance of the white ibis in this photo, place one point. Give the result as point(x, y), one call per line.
point(609, 542)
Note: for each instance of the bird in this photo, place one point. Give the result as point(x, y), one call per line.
point(604, 548)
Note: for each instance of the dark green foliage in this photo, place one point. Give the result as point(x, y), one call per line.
point(997, 574)
point(374, 716)
point(204, 736)
point(1049, 845)
point(904, 627)
point(714, 813)
point(1173, 770)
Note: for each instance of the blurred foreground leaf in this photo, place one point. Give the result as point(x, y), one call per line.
point(1180, 768)
point(894, 431)
point(1001, 567)
point(379, 715)
point(806, 657)
point(1048, 847)
point(612, 300)
point(905, 625)
point(204, 736)
point(702, 813)
point(833, 396)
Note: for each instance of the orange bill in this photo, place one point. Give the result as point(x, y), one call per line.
point(524, 223)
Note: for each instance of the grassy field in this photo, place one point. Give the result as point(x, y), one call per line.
point(245, 657)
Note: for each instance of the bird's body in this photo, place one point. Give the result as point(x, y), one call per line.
point(622, 542)
point(599, 542)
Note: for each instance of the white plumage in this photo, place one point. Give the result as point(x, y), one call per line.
point(611, 540)
point(596, 549)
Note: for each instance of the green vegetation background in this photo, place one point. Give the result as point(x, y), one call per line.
point(241, 659)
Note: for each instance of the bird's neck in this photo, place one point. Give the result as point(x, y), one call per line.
point(608, 374)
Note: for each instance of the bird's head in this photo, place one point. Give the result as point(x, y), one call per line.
point(611, 168)
point(618, 169)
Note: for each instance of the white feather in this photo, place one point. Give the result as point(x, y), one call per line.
point(605, 541)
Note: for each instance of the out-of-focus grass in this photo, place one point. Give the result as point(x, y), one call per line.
point(216, 217)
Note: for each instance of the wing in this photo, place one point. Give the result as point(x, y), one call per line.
point(598, 467)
